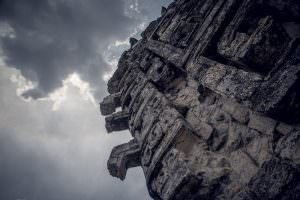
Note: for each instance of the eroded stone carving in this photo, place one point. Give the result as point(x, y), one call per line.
point(123, 157)
point(211, 95)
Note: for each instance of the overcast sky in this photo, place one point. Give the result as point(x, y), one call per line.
point(55, 57)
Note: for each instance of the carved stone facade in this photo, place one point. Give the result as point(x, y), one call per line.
point(211, 96)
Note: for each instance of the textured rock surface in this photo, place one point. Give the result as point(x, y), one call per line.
point(211, 96)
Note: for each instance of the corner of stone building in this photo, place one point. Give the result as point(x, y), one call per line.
point(211, 96)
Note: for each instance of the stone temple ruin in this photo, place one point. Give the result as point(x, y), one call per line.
point(211, 96)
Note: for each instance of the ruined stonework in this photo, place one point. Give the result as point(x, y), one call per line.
point(211, 96)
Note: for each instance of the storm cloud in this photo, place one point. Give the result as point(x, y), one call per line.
point(51, 39)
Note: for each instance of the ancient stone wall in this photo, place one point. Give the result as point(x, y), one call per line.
point(211, 96)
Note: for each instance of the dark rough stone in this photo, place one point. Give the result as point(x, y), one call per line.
point(284, 128)
point(123, 157)
point(132, 41)
point(245, 195)
point(117, 121)
point(275, 178)
point(110, 103)
point(288, 147)
point(211, 95)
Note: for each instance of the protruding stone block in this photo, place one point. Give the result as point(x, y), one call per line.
point(279, 96)
point(163, 10)
point(113, 83)
point(172, 176)
point(243, 165)
point(230, 81)
point(260, 149)
point(117, 121)
point(123, 157)
point(201, 129)
point(237, 111)
point(288, 147)
point(110, 103)
point(132, 41)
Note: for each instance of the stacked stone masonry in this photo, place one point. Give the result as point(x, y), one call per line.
point(211, 96)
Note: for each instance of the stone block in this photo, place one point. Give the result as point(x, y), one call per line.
point(153, 139)
point(202, 129)
point(117, 121)
point(236, 110)
point(238, 84)
point(262, 124)
point(236, 137)
point(284, 128)
point(110, 103)
point(243, 165)
point(288, 147)
point(123, 157)
point(260, 149)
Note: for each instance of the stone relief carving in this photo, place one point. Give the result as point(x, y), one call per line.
point(211, 96)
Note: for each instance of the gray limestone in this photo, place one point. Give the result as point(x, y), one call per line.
point(211, 96)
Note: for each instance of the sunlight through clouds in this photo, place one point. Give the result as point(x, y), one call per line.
point(60, 95)
point(22, 84)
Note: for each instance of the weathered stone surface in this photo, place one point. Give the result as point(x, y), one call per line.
point(211, 95)
point(275, 180)
point(238, 112)
point(166, 51)
point(229, 81)
point(117, 121)
point(110, 103)
point(132, 41)
point(284, 128)
point(288, 147)
point(262, 124)
point(123, 157)
point(202, 129)
point(243, 165)
point(260, 149)
point(278, 96)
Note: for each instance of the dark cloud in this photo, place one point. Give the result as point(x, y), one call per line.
point(54, 38)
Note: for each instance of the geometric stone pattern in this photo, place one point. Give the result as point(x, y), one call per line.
point(211, 96)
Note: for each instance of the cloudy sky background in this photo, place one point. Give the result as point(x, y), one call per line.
point(55, 57)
